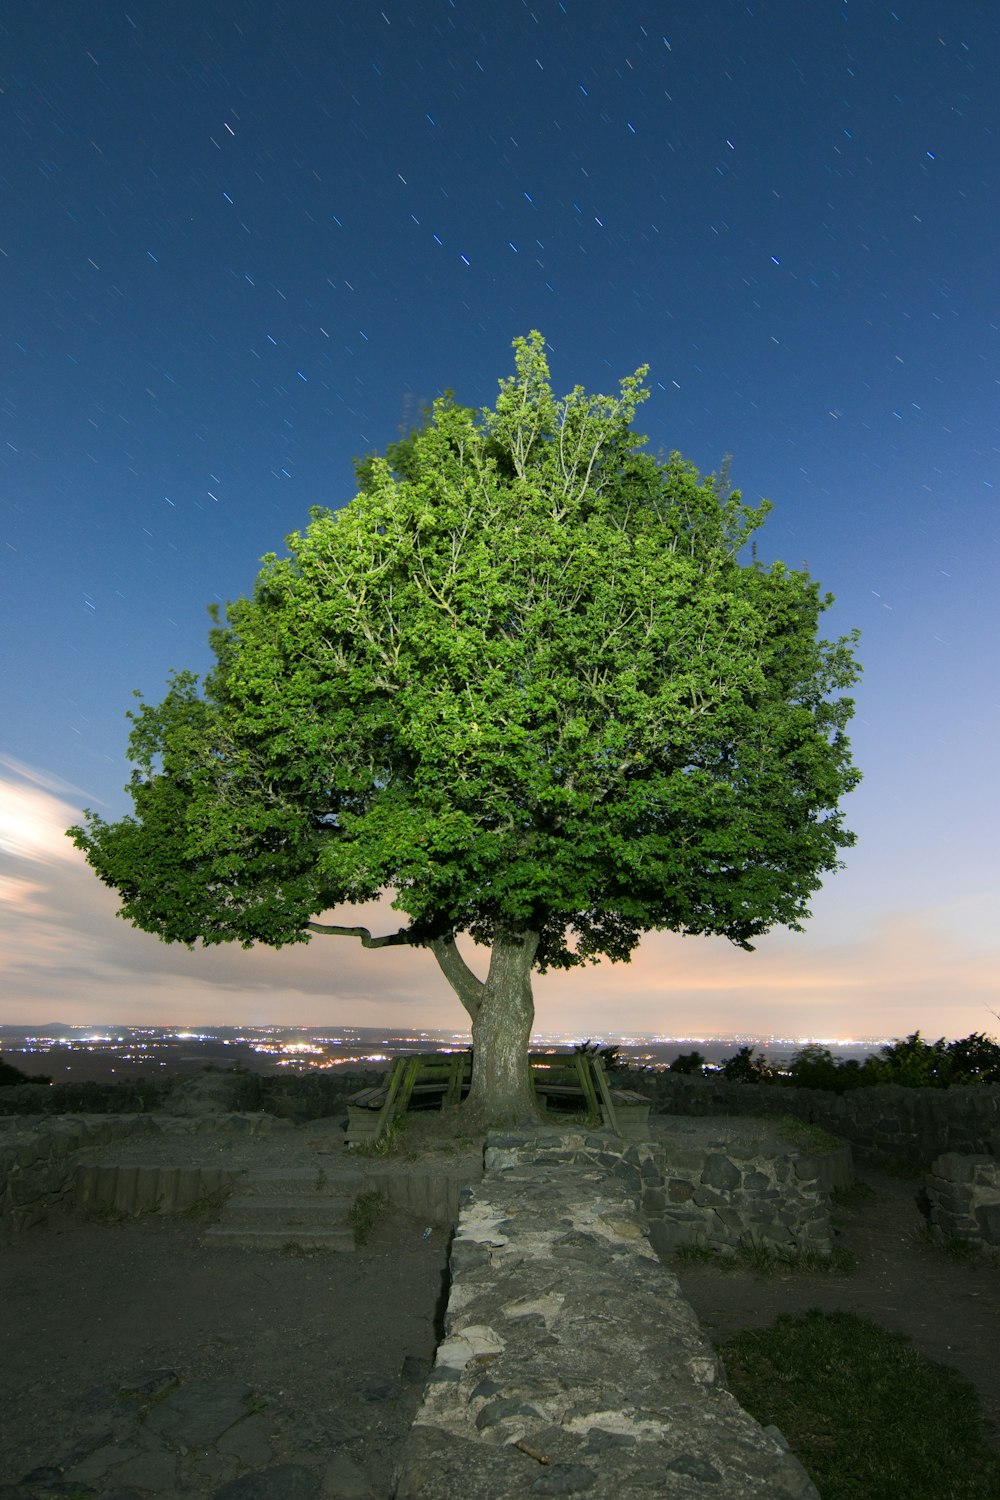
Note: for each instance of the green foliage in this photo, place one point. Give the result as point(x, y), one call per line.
point(805, 1133)
point(610, 1055)
point(389, 1143)
point(688, 1062)
point(747, 1067)
point(524, 682)
point(766, 1259)
point(11, 1076)
point(365, 1212)
point(910, 1062)
point(914, 1062)
point(866, 1414)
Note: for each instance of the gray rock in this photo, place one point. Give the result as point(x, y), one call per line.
point(378, 1389)
point(282, 1482)
point(988, 1219)
point(496, 1412)
point(343, 1479)
point(579, 1245)
point(719, 1172)
point(337, 1429)
point(96, 1464)
point(694, 1467)
point(564, 1479)
point(150, 1384)
point(196, 1415)
point(415, 1369)
point(466, 1254)
point(248, 1442)
point(599, 1441)
point(149, 1471)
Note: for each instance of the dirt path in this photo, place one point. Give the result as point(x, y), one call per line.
point(336, 1347)
point(949, 1306)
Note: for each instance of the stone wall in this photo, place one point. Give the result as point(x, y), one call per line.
point(727, 1184)
point(910, 1124)
point(571, 1361)
point(964, 1193)
point(128, 1191)
point(38, 1158)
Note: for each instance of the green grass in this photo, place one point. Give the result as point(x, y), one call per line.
point(766, 1259)
point(803, 1133)
point(971, 1252)
point(868, 1416)
point(389, 1143)
point(365, 1212)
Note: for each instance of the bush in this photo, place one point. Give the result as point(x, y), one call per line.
point(688, 1062)
point(745, 1067)
point(10, 1076)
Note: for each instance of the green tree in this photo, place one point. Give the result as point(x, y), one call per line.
point(746, 1067)
point(522, 681)
point(11, 1076)
point(688, 1062)
point(974, 1059)
point(912, 1062)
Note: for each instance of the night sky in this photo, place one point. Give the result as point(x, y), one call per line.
point(242, 243)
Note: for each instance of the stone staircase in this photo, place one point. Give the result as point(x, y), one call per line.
point(298, 1207)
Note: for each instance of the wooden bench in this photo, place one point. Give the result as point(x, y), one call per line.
point(576, 1080)
point(437, 1078)
point(580, 1078)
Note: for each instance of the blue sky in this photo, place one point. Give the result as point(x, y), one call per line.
point(245, 243)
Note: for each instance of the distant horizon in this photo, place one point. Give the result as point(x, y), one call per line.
point(51, 1029)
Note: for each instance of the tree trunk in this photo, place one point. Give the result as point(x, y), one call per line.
point(502, 1093)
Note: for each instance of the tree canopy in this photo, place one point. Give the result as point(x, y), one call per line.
point(527, 681)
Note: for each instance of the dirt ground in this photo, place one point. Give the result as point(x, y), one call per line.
point(948, 1305)
point(336, 1346)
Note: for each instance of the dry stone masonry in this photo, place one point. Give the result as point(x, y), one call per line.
point(912, 1124)
point(571, 1362)
point(964, 1194)
point(38, 1160)
point(724, 1184)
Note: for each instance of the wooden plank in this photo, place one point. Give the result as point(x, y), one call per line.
point(610, 1118)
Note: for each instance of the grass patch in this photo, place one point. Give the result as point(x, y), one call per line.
point(207, 1206)
point(365, 1212)
point(972, 1252)
point(869, 1417)
point(765, 1259)
point(803, 1133)
point(389, 1143)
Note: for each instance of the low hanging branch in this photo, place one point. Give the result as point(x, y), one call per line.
point(467, 986)
point(389, 940)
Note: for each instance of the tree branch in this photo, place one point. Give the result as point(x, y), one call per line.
point(390, 940)
point(467, 987)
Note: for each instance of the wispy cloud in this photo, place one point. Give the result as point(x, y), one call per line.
point(65, 955)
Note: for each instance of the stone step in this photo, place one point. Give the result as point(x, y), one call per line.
point(341, 1240)
point(302, 1182)
point(319, 1212)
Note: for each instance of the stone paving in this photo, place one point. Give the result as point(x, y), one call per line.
point(159, 1436)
